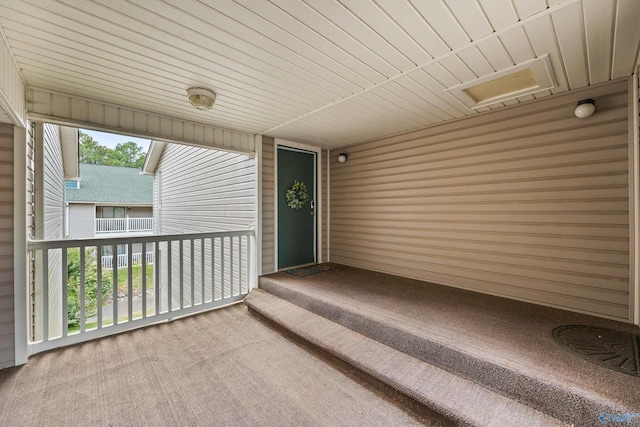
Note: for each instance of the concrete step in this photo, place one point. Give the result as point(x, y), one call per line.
point(458, 400)
point(562, 401)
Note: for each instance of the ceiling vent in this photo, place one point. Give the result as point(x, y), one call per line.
point(523, 79)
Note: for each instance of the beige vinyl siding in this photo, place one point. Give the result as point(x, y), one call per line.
point(529, 203)
point(268, 211)
point(7, 349)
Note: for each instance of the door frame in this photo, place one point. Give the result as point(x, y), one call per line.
point(318, 216)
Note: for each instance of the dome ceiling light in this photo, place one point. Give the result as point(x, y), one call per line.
point(201, 98)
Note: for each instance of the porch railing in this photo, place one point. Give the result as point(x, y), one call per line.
point(123, 260)
point(75, 298)
point(124, 225)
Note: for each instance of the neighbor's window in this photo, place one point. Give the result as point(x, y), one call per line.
point(113, 212)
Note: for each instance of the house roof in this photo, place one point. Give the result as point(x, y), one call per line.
point(112, 185)
point(153, 157)
point(70, 148)
point(326, 73)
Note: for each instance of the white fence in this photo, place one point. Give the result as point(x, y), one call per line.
point(76, 298)
point(124, 225)
point(123, 260)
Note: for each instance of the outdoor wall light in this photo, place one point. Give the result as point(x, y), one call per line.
point(585, 108)
point(342, 157)
point(201, 98)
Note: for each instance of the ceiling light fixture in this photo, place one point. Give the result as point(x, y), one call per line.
point(585, 108)
point(342, 157)
point(201, 98)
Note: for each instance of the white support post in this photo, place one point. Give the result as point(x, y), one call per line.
point(634, 197)
point(20, 274)
point(255, 241)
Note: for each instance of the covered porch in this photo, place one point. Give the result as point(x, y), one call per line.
point(471, 207)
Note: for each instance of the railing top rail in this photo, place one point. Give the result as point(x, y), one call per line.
point(124, 219)
point(61, 244)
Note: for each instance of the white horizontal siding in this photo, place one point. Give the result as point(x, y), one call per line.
point(49, 220)
point(53, 183)
point(12, 105)
point(204, 190)
point(7, 349)
point(528, 203)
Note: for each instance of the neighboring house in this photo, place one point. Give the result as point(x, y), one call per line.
point(201, 190)
point(55, 157)
point(109, 201)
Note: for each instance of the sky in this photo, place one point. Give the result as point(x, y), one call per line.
point(111, 139)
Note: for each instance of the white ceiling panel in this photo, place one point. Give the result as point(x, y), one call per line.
point(569, 27)
point(500, 12)
point(517, 44)
point(408, 18)
point(471, 17)
point(359, 30)
point(527, 8)
point(326, 72)
point(599, 21)
point(440, 18)
point(626, 36)
point(473, 58)
point(541, 34)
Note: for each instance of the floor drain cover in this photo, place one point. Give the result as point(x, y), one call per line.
point(611, 349)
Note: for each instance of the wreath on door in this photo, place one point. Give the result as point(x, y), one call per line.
point(297, 195)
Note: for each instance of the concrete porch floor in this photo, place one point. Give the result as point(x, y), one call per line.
point(221, 368)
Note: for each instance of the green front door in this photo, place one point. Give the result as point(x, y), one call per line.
point(296, 227)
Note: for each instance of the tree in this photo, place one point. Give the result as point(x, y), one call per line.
point(91, 151)
point(90, 285)
point(127, 154)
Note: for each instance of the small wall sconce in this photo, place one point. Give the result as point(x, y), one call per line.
point(585, 108)
point(201, 98)
point(342, 157)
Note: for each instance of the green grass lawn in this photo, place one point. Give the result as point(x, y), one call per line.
point(136, 276)
point(123, 285)
point(93, 325)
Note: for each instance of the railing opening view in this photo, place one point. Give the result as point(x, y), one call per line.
point(123, 259)
point(124, 225)
point(78, 294)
